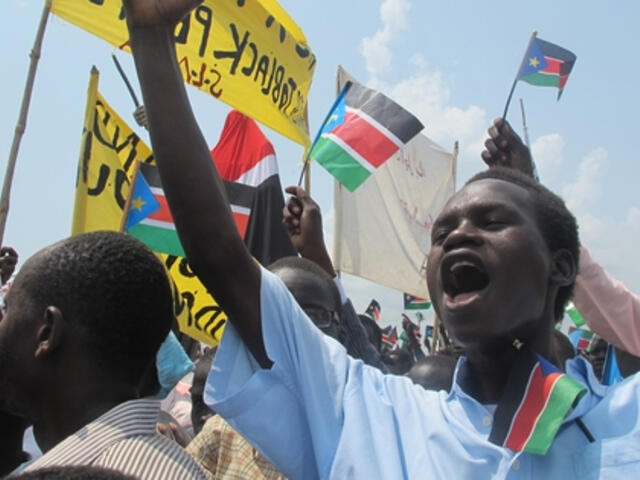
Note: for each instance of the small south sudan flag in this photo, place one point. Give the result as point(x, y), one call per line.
point(547, 65)
point(411, 302)
point(537, 399)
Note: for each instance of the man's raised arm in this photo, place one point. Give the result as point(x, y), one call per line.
point(191, 183)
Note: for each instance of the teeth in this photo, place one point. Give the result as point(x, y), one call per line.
point(460, 264)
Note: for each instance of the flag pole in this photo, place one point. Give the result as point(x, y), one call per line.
point(340, 96)
point(22, 118)
point(515, 80)
point(524, 125)
point(127, 203)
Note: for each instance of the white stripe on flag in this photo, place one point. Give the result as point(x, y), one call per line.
point(386, 132)
point(241, 210)
point(158, 223)
point(356, 156)
point(156, 190)
point(265, 168)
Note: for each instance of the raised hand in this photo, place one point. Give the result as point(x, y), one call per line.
point(302, 219)
point(149, 13)
point(505, 149)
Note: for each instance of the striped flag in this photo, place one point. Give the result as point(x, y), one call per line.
point(363, 130)
point(537, 398)
point(547, 65)
point(411, 302)
point(156, 228)
point(243, 155)
point(389, 337)
point(374, 310)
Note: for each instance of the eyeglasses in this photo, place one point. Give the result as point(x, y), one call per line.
point(321, 317)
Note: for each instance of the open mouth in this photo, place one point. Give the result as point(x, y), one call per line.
point(463, 280)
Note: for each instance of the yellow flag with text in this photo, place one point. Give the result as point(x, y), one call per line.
point(249, 54)
point(108, 155)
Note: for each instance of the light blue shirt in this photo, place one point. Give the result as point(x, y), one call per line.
point(318, 413)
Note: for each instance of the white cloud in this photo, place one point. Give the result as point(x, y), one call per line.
point(586, 188)
point(548, 154)
point(394, 15)
point(427, 94)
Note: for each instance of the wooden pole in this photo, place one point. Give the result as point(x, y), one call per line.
point(127, 203)
point(524, 125)
point(22, 119)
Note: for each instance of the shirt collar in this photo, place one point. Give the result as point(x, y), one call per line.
point(578, 368)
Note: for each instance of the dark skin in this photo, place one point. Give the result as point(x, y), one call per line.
point(218, 256)
point(57, 369)
point(504, 148)
point(191, 183)
point(302, 220)
point(8, 261)
point(490, 227)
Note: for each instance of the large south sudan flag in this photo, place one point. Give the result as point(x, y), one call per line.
point(150, 219)
point(364, 129)
point(547, 65)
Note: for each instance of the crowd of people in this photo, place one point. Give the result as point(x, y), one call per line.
point(95, 381)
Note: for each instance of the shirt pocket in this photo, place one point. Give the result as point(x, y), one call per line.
point(609, 458)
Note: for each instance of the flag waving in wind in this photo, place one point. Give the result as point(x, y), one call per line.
point(363, 130)
point(547, 65)
point(244, 157)
point(150, 220)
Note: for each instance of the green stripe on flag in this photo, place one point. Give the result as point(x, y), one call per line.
point(574, 314)
point(542, 80)
point(158, 239)
point(564, 393)
point(340, 163)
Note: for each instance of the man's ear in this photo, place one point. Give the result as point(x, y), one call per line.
point(563, 267)
point(50, 333)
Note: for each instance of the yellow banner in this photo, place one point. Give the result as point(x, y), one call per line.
point(250, 54)
point(109, 152)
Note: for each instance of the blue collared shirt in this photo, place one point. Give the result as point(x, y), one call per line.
point(318, 413)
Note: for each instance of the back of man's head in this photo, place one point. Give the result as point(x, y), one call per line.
point(114, 294)
point(434, 372)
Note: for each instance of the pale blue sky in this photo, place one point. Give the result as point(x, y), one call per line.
point(450, 63)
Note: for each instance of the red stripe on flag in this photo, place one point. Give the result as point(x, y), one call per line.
point(534, 400)
point(563, 81)
point(242, 223)
point(163, 214)
point(372, 144)
point(553, 65)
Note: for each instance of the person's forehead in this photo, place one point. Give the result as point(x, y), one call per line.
point(489, 192)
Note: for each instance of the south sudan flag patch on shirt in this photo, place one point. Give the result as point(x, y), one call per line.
point(536, 401)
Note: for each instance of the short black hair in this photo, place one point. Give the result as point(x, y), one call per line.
point(299, 263)
point(74, 472)
point(434, 372)
point(115, 291)
point(556, 223)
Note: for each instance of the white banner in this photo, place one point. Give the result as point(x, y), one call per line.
point(382, 230)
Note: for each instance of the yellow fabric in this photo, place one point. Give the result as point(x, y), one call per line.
point(242, 53)
point(109, 152)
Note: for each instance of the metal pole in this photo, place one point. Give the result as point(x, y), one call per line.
point(22, 119)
